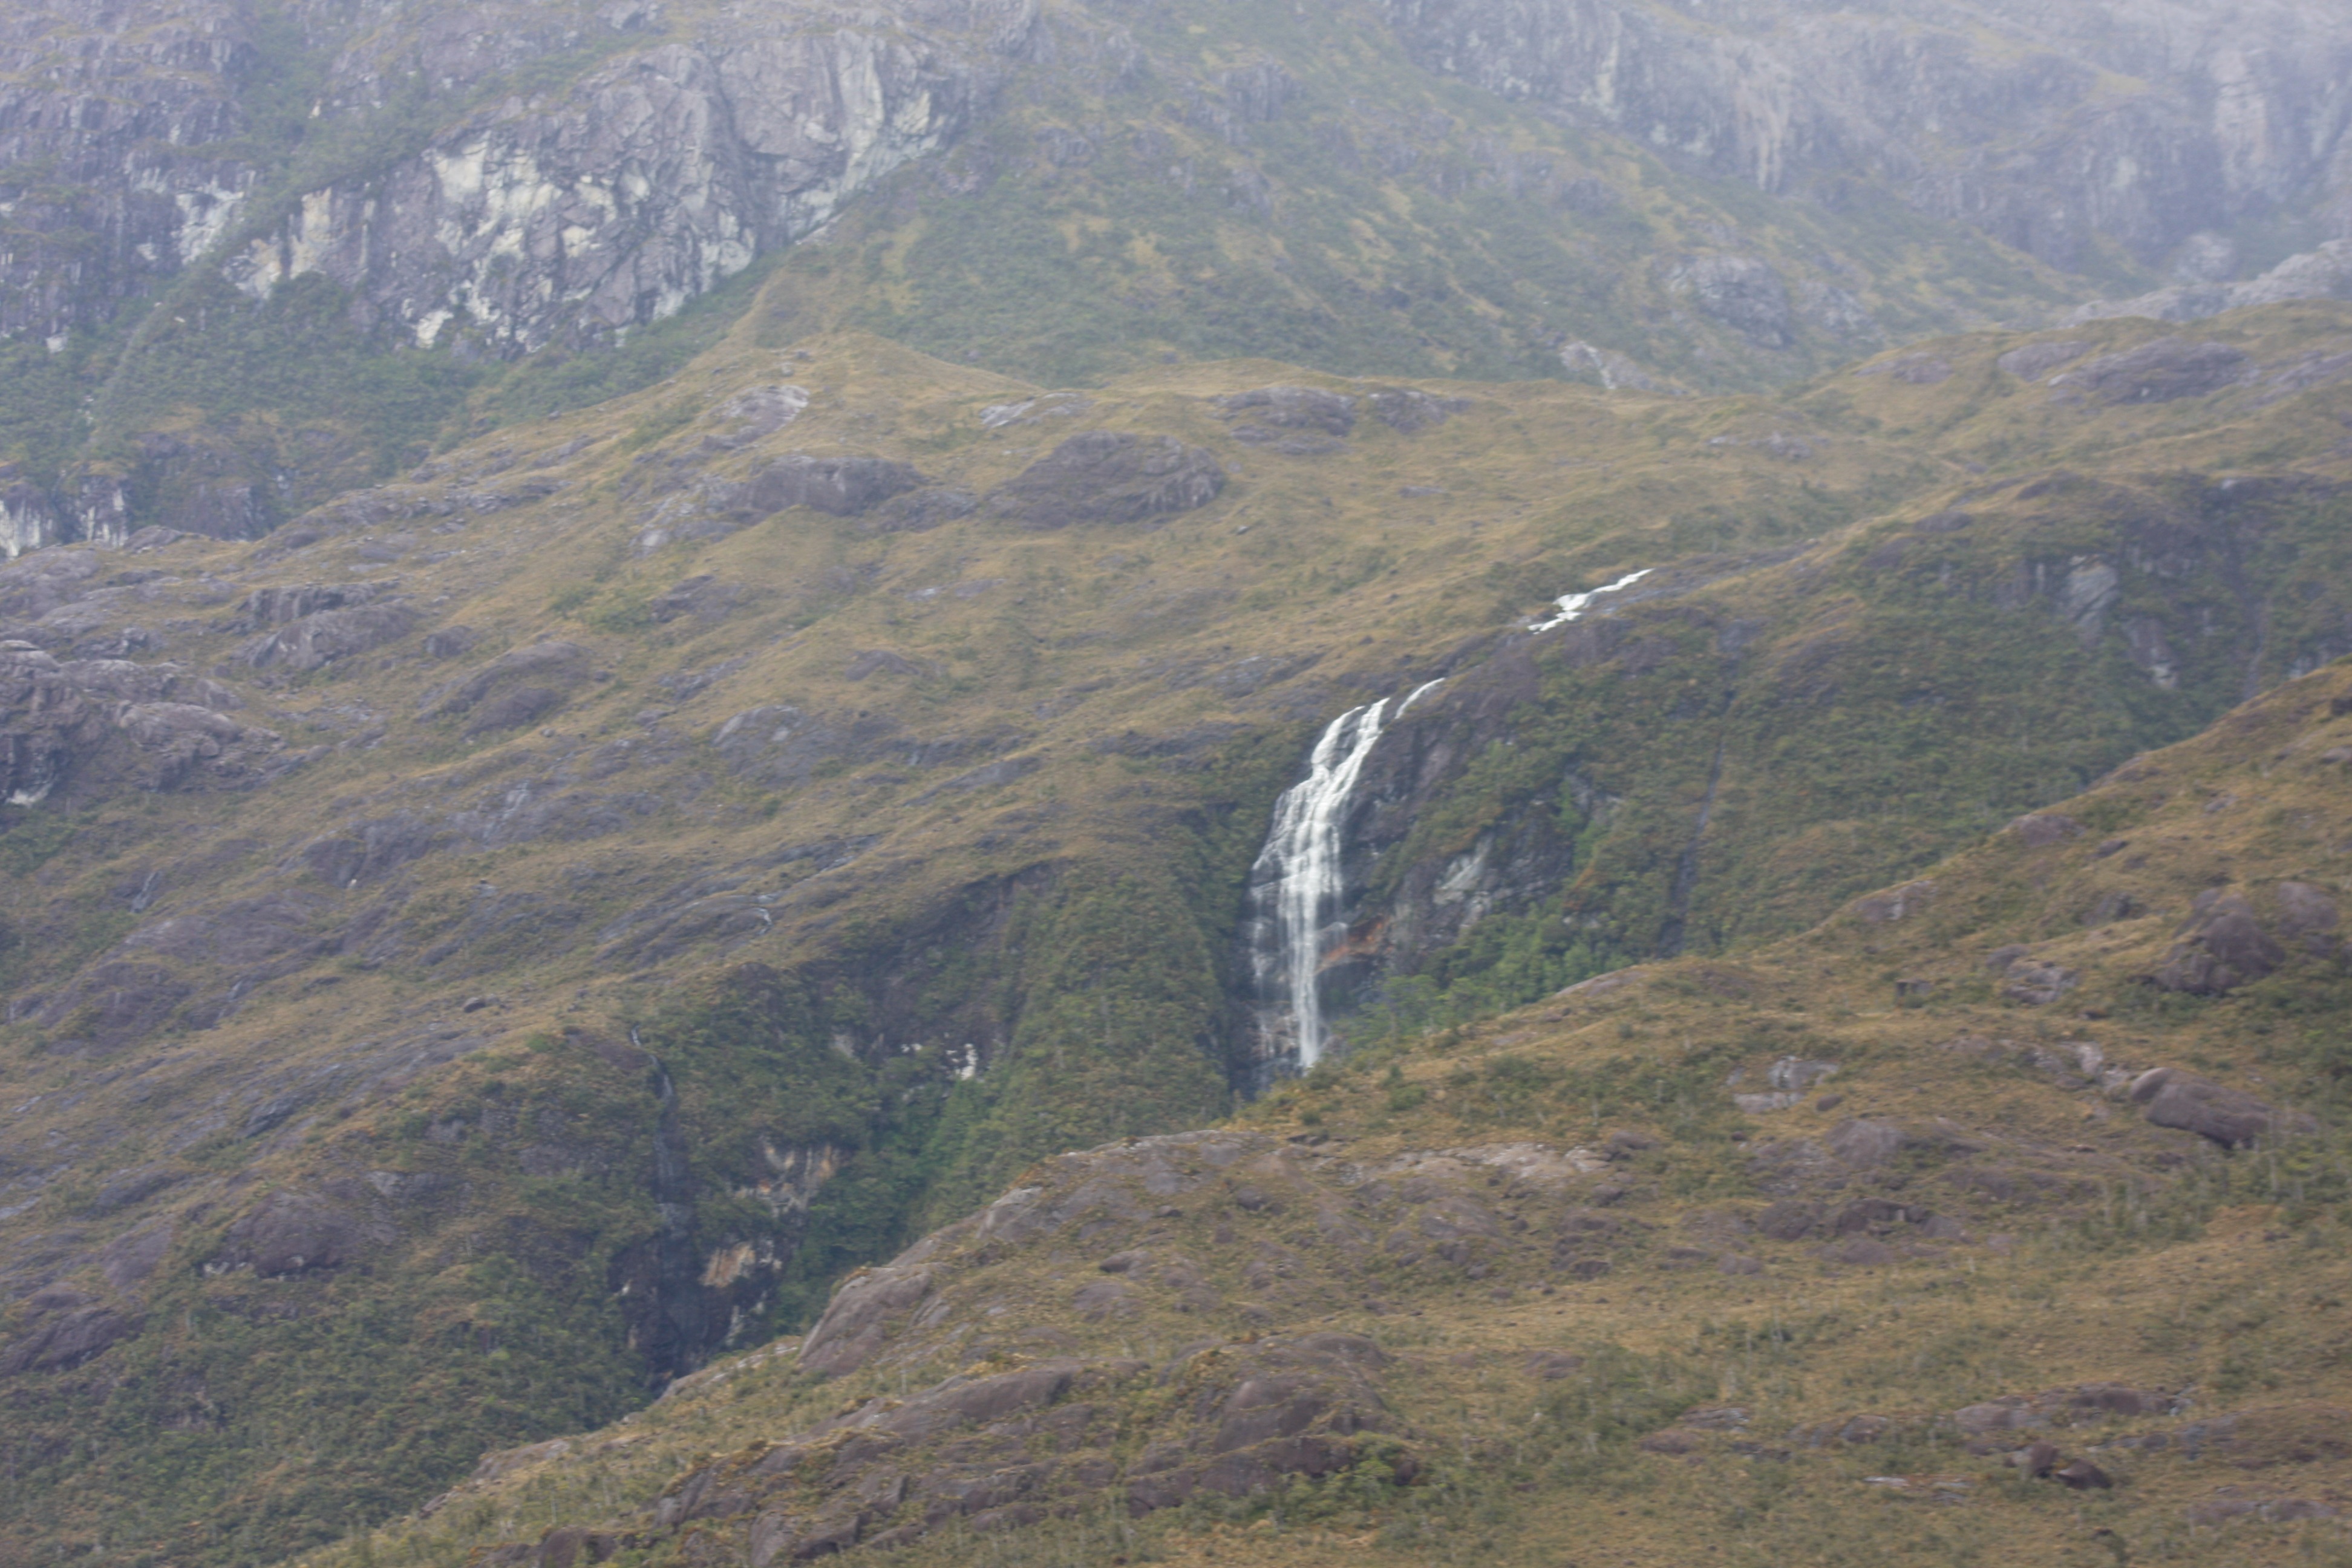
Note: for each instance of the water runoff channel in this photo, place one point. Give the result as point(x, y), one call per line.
point(1299, 883)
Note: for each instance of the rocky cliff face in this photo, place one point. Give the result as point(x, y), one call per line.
point(105, 116)
point(647, 183)
point(499, 179)
point(2142, 123)
point(140, 140)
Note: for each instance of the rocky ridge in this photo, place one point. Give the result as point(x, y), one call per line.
point(540, 184)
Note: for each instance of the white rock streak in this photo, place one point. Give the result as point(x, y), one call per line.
point(1573, 605)
point(1298, 881)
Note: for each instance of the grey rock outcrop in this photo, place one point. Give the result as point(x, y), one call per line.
point(2324, 273)
point(2229, 1117)
point(2163, 371)
point(549, 668)
point(101, 725)
point(644, 185)
point(608, 201)
point(2232, 111)
point(28, 517)
point(1105, 475)
point(2222, 946)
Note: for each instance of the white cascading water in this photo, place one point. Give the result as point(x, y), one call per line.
point(1573, 605)
point(1298, 881)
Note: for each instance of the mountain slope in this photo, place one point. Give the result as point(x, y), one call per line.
point(1998, 1218)
point(521, 930)
point(264, 255)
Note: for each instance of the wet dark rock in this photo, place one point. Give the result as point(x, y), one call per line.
point(289, 1234)
point(1109, 476)
point(2081, 1475)
point(2229, 1117)
point(2221, 946)
point(66, 1337)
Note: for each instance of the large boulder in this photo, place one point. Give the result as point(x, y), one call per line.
point(2309, 918)
point(2230, 1117)
point(1105, 475)
point(2222, 947)
point(288, 1234)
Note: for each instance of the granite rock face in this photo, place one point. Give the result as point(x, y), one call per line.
point(650, 182)
point(2234, 113)
point(606, 202)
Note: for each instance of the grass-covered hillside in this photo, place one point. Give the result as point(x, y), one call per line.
point(2002, 1218)
point(1202, 182)
point(523, 930)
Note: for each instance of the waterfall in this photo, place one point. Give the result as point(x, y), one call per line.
point(1573, 605)
point(1297, 883)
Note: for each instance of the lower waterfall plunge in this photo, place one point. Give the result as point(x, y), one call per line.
point(1297, 885)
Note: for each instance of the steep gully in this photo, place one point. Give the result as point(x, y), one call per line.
point(1298, 885)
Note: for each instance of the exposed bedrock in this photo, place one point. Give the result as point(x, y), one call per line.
point(2233, 114)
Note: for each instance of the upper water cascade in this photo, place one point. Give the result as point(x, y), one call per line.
point(1299, 883)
